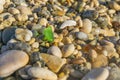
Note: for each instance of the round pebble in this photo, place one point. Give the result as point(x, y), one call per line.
point(97, 74)
point(55, 51)
point(81, 35)
point(12, 60)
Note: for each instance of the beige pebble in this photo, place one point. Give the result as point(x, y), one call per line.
point(53, 62)
point(68, 50)
point(23, 34)
point(87, 26)
point(41, 73)
point(93, 53)
point(35, 45)
point(79, 60)
point(32, 41)
point(24, 10)
point(114, 5)
point(1, 8)
point(55, 51)
point(43, 22)
point(100, 61)
point(12, 60)
point(13, 11)
point(21, 17)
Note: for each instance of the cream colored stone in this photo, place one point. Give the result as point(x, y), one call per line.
point(41, 73)
point(12, 60)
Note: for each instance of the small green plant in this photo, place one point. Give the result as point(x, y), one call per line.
point(48, 34)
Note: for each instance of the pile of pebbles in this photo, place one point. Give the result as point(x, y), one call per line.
point(86, 42)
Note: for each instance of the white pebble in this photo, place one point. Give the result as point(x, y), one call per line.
point(35, 45)
point(68, 23)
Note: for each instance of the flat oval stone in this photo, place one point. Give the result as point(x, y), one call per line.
point(55, 51)
point(12, 60)
point(81, 35)
point(97, 74)
point(41, 73)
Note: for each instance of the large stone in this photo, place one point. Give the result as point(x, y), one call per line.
point(97, 74)
point(53, 62)
point(41, 73)
point(12, 60)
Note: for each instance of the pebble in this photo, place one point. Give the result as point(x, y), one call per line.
point(1, 8)
point(23, 34)
point(100, 61)
point(68, 50)
point(41, 73)
point(53, 62)
point(43, 22)
point(87, 26)
point(81, 35)
point(7, 34)
point(13, 11)
point(114, 73)
point(54, 50)
point(68, 23)
point(21, 17)
point(24, 10)
point(114, 5)
point(2, 2)
point(97, 74)
point(12, 60)
point(35, 45)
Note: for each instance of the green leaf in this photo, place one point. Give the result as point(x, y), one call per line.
point(48, 34)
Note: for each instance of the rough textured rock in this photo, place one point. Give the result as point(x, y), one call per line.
point(12, 60)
